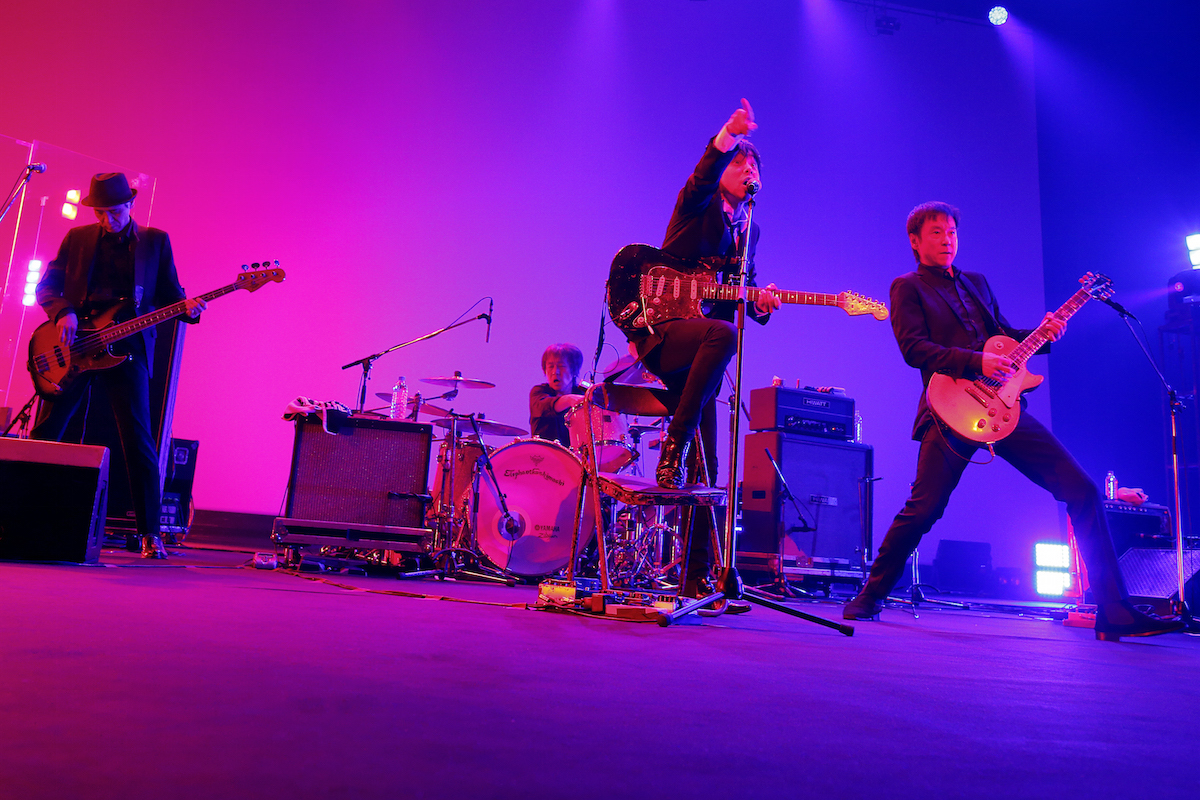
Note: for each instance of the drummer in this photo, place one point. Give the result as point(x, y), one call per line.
point(549, 402)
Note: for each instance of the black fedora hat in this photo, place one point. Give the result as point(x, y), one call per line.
point(109, 189)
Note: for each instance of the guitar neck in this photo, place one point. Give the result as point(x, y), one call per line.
point(115, 333)
point(1034, 341)
point(724, 291)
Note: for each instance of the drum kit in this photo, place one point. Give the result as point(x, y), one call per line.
point(506, 511)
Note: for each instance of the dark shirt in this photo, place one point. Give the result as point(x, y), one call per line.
point(112, 272)
point(978, 325)
point(544, 421)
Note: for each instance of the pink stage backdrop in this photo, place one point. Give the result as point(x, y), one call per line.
point(403, 161)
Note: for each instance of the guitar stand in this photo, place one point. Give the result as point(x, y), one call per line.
point(916, 596)
point(729, 584)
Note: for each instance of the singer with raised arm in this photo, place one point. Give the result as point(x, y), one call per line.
point(942, 317)
point(690, 355)
point(549, 402)
point(115, 262)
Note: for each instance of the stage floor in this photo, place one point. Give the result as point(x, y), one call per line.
point(202, 678)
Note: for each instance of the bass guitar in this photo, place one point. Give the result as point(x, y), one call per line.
point(985, 410)
point(647, 287)
point(54, 366)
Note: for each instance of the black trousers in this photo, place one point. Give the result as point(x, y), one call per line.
point(1038, 455)
point(128, 386)
point(691, 361)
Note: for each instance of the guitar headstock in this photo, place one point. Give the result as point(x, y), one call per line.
point(254, 276)
point(1097, 285)
point(855, 304)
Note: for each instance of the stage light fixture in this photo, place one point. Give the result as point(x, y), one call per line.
point(1053, 575)
point(1193, 246)
point(31, 281)
point(1052, 584)
point(998, 15)
point(73, 196)
point(69, 211)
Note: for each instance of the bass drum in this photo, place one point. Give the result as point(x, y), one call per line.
point(540, 481)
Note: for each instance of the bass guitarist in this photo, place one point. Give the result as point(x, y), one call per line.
point(110, 262)
point(941, 317)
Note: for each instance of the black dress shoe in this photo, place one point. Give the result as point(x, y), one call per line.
point(670, 473)
point(1114, 620)
point(152, 547)
point(862, 607)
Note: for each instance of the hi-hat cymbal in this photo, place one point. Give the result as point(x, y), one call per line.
point(459, 382)
point(426, 408)
point(487, 427)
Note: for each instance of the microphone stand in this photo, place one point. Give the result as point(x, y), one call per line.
point(1174, 406)
point(368, 361)
point(16, 190)
point(729, 585)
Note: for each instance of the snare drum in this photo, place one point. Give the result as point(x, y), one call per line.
point(613, 446)
point(540, 481)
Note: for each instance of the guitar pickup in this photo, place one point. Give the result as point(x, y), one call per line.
point(979, 395)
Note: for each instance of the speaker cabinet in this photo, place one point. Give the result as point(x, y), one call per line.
point(1144, 539)
point(52, 501)
point(362, 484)
point(831, 482)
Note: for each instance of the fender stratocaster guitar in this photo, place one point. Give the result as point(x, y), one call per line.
point(647, 287)
point(986, 410)
point(54, 366)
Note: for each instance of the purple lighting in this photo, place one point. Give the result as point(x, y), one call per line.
point(998, 15)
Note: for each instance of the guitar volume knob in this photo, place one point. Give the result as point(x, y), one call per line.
point(996, 428)
point(991, 412)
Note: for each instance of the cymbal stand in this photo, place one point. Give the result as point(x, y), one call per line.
point(729, 585)
point(366, 362)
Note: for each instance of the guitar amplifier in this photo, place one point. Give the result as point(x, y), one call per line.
point(830, 539)
point(362, 484)
point(805, 411)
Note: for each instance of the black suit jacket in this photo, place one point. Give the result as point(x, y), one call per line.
point(64, 287)
point(934, 338)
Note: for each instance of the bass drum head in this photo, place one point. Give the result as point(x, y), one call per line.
point(540, 481)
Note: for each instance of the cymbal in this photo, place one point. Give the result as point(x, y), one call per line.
point(459, 382)
point(486, 426)
point(426, 408)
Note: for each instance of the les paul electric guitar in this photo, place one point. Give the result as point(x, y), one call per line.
point(54, 366)
point(647, 287)
point(985, 410)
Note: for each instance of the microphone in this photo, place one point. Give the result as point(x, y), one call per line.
point(36, 167)
point(1115, 306)
point(488, 337)
point(752, 187)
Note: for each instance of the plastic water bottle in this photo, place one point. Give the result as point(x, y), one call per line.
point(399, 406)
point(1110, 485)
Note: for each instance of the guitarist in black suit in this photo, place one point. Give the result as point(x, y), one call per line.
point(941, 317)
point(690, 355)
point(99, 265)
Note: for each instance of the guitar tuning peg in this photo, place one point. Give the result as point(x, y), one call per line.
point(277, 262)
point(255, 265)
point(245, 267)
